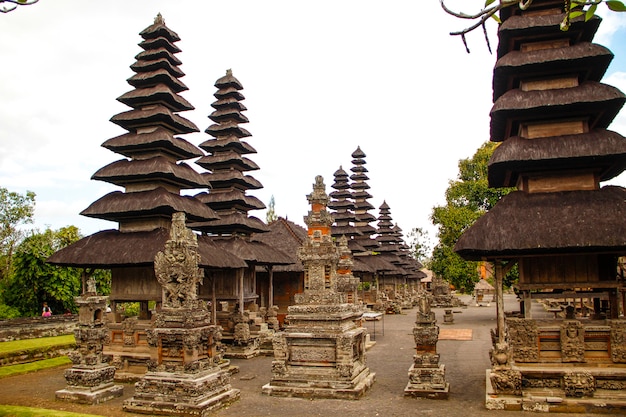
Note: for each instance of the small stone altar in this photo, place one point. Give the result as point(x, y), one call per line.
point(321, 352)
point(184, 376)
point(90, 379)
point(427, 377)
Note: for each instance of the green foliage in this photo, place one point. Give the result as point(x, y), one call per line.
point(34, 281)
point(8, 312)
point(467, 198)
point(420, 246)
point(15, 210)
point(271, 211)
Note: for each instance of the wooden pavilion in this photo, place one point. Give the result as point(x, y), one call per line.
point(561, 227)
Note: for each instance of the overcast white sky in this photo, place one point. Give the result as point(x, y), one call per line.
point(320, 78)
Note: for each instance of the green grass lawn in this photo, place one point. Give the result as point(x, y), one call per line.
point(15, 411)
point(38, 343)
point(24, 368)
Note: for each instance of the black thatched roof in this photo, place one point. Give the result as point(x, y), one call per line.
point(601, 150)
point(252, 251)
point(231, 224)
point(119, 206)
point(158, 115)
point(158, 168)
point(157, 94)
point(599, 103)
point(549, 223)
point(131, 144)
point(517, 29)
point(287, 237)
point(112, 249)
point(590, 60)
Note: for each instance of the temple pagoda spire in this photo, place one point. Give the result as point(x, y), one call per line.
point(342, 205)
point(362, 206)
point(227, 165)
point(151, 174)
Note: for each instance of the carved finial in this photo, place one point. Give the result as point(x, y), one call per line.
point(158, 20)
point(229, 71)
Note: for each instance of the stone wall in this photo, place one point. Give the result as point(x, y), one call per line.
point(34, 327)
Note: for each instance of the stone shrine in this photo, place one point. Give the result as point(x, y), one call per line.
point(427, 377)
point(184, 375)
point(90, 379)
point(321, 352)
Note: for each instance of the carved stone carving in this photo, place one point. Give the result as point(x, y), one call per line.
point(176, 268)
point(523, 339)
point(572, 341)
point(506, 381)
point(500, 355)
point(618, 341)
point(579, 384)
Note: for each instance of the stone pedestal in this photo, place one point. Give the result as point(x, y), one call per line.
point(426, 375)
point(185, 376)
point(90, 379)
point(321, 352)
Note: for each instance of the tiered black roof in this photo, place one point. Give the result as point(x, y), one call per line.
point(551, 113)
point(152, 175)
point(226, 165)
point(342, 205)
point(360, 196)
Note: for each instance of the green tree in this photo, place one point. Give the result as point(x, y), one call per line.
point(572, 8)
point(271, 211)
point(420, 246)
point(16, 210)
point(467, 198)
point(34, 281)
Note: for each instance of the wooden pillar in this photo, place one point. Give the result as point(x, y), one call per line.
point(499, 300)
point(240, 272)
point(527, 305)
point(213, 301)
point(270, 291)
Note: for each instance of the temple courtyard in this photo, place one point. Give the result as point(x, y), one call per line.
point(463, 346)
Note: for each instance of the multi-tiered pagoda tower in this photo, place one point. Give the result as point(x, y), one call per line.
point(342, 205)
point(227, 165)
point(564, 229)
point(152, 176)
point(360, 196)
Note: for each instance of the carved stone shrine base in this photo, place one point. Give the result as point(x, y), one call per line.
point(427, 382)
point(90, 385)
point(174, 394)
point(246, 350)
point(309, 385)
point(315, 358)
point(557, 389)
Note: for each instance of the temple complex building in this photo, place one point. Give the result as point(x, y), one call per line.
point(561, 227)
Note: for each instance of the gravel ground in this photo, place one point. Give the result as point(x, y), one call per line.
point(390, 358)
